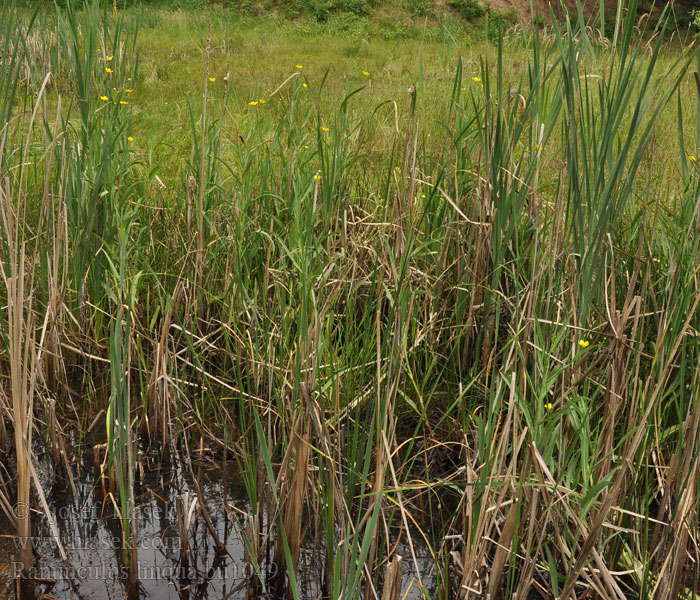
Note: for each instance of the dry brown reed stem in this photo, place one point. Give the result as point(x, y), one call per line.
point(22, 357)
point(25, 357)
point(21, 333)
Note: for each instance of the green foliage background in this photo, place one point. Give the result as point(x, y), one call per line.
point(390, 13)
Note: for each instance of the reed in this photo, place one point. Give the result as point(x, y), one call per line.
point(21, 349)
point(17, 270)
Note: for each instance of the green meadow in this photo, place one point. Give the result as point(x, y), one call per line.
point(425, 287)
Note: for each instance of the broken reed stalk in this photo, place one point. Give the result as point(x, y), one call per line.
point(392, 579)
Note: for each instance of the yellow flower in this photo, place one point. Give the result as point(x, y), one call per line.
point(318, 176)
point(306, 145)
point(108, 58)
point(548, 406)
point(304, 85)
point(583, 343)
point(262, 101)
point(365, 73)
point(104, 98)
point(476, 79)
point(253, 103)
point(692, 158)
point(422, 195)
point(538, 147)
point(325, 128)
point(129, 139)
point(123, 102)
point(128, 78)
point(300, 67)
point(108, 70)
point(212, 79)
point(128, 91)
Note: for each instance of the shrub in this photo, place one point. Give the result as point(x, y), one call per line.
point(348, 23)
point(471, 10)
point(321, 10)
point(497, 22)
point(244, 6)
point(419, 8)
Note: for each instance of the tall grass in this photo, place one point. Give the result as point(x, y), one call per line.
point(473, 333)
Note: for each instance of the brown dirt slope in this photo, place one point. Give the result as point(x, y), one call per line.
point(542, 7)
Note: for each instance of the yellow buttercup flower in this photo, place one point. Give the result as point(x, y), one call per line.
point(300, 67)
point(129, 139)
point(548, 406)
point(108, 70)
point(128, 91)
point(538, 147)
point(476, 79)
point(318, 176)
point(212, 79)
point(123, 102)
point(325, 128)
point(692, 158)
point(262, 101)
point(253, 103)
point(128, 78)
point(584, 343)
point(108, 58)
point(365, 73)
point(304, 85)
point(104, 98)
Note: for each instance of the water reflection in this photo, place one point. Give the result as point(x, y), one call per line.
point(90, 532)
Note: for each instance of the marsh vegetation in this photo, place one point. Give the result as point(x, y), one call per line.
point(431, 303)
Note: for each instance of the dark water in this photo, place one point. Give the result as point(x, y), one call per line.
point(91, 536)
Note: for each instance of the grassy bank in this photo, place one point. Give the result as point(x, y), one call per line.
point(429, 285)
